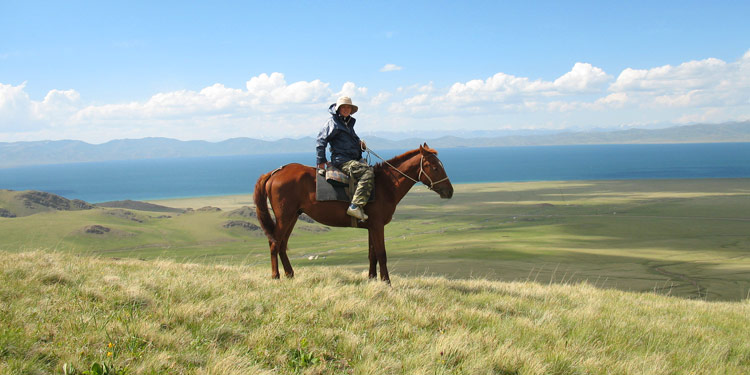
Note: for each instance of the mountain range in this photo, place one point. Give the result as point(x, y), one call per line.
point(14, 154)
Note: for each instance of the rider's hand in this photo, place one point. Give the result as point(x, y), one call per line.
point(363, 145)
point(322, 169)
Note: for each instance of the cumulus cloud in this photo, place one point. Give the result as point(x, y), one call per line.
point(707, 82)
point(266, 102)
point(686, 76)
point(273, 89)
point(380, 98)
point(270, 107)
point(503, 87)
point(390, 68)
point(351, 90)
point(15, 105)
point(582, 78)
point(18, 110)
point(264, 94)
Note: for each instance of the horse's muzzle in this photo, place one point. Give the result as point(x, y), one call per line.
point(445, 192)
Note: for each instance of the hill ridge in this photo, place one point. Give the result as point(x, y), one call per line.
point(68, 151)
point(28, 202)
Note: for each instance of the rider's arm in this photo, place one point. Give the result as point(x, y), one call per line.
point(322, 143)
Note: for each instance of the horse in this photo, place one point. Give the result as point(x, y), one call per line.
point(291, 192)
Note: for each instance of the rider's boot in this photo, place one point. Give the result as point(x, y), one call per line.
point(356, 211)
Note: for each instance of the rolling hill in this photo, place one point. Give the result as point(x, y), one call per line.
point(63, 311)
point(68, 151)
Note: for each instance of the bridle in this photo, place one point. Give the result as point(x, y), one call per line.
point(432, 184)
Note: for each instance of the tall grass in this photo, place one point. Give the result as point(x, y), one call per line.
point(153, 317)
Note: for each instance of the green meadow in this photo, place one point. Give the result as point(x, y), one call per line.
point(69, 314)
point(686, 238)
point(586, 277)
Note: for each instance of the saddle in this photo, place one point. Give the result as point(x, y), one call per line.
point(335, 185)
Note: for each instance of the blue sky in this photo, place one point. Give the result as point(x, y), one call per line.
point(97, 71)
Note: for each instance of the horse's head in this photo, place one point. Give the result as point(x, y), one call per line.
point(432, 173)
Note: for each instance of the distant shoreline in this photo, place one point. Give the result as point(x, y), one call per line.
point(72, 151)
point(220, 176)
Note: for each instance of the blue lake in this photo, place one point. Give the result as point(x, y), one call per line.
point(188, 177)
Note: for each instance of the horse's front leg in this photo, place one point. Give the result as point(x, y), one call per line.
point(378, 244)
point(373, 259)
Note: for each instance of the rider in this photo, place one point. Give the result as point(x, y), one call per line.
point(346, 152)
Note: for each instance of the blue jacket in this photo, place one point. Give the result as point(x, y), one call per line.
point(342, 138)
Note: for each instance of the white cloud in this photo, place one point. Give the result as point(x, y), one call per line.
point(503, 87)
point(689, 75)
point(18, 110)
point(381, 98)
point(273, 89)
point(270, 107)
point(709, 82)
point(583, 77)
point(617, 99)
point(15, 106)
point(390, 68)
point(351, 90)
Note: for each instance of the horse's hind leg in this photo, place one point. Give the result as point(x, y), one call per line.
point(274, 246)
point(285, 224)
point(285, 261)
point(283, 229)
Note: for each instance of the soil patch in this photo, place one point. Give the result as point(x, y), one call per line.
point(123, 214)
point(96, 229)
point(244, 211)
point(315, 229)
point(35, 199)
point(246, 225)
point(140, 206)
point(6, 213)
point(306, 219)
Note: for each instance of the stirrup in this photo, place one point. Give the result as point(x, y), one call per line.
point(356, 212)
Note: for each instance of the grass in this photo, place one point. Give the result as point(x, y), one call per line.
point(159, 316)
point(686, 238)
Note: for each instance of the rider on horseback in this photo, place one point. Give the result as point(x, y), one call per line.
point(346, 152)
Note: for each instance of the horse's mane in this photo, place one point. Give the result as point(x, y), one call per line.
point(401, 158)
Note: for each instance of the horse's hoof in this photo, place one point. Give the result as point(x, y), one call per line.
point(290, 275)
point(275, 277)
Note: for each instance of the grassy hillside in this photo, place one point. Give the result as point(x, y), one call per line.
point(688, 238)
point(149, 317)
point(25, 203)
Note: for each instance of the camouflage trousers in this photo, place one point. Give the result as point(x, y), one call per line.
point(366, 179)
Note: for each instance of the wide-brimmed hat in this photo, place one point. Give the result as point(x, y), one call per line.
point(348, 101)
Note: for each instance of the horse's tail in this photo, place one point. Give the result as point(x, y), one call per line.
point(261, 206)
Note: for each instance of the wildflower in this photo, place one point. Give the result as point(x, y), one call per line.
point(110, 345)
point(109, 354)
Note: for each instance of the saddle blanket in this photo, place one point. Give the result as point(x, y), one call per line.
point(325, 191)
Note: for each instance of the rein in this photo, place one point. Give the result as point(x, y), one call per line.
point(421, 170)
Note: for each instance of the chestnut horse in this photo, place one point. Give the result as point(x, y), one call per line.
point(291, 191)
